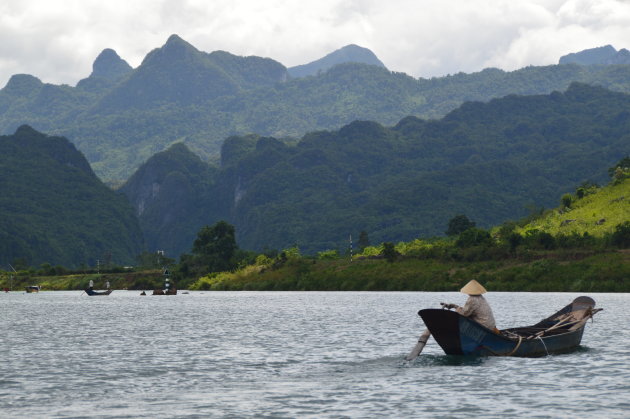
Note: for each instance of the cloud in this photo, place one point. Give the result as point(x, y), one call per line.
point(58, 41)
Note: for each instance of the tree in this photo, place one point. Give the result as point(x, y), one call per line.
point(215, 247)
point(214, 250)
point(389, 252)
point(473, 237)
point(621, 235)
point(621, 167)
point(458, 225)
point(364, 241)
point(567, 200)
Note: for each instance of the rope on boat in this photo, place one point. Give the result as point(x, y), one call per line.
point(545, 346)
point(518, 345)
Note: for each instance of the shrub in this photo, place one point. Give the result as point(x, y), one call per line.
point(474, 237)
point(621, 235)
point(389, 252)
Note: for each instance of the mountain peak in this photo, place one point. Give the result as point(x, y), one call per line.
point(110, 66)
point(349, 54)
point(600, 55)
point(27, 131)
point(23, 84)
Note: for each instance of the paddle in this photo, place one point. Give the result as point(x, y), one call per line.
point(422, 340)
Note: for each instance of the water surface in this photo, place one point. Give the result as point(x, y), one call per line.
point(292, 354)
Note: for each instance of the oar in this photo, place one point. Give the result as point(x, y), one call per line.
point(422, 340)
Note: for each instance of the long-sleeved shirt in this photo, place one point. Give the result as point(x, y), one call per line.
point(478, 309)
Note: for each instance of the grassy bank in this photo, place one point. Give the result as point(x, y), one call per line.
point(144, 280)
point(544, 271)
point(603, 272)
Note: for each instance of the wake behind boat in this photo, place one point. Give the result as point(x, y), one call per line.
point(559, 333)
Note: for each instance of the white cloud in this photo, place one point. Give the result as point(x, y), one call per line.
point(57, 40)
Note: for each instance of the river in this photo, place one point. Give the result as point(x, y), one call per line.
point(293, 354)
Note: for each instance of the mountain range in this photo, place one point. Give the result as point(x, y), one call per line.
point(120, 116)
point(491, 161)
point(195, 137)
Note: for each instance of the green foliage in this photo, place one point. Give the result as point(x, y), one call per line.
point(458, 224)
point(490, 161)
point(566, 200)
point(328, 255)
point(621, 235)
point(597, 214)
point(364, 240)
point(389, 252)
point(619, 169)
point(474, 237)
point(180, 93)
point(214, 250)
point(54, 210)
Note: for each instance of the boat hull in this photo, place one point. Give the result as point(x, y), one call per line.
point(458, 335)
point(93, 293)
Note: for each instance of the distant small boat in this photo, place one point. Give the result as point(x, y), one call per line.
point(170, 291)
point(33, 288)
point(93, 293)
point(558, 333)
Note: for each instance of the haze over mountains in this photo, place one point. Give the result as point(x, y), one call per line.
point(311, 154)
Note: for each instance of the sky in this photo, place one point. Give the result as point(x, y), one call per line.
point(58, 40)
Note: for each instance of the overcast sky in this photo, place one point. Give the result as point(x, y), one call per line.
point(58, 40)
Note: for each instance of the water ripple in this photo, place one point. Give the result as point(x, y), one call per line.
point(291, 355)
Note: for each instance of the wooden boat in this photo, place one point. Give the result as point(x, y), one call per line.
point(93, 293)
point(169, 291)
point(33, 288)
point(558, 333)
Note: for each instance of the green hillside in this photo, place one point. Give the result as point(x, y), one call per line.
point(490, 161)
point(53, 208)
point(597, 213)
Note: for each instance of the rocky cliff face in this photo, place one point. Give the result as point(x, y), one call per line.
point(170, 195)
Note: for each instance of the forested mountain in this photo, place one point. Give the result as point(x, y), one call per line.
point(172, 196)
point(490, 161)
point(347, 54)
point(54, 209)
point(119, 117)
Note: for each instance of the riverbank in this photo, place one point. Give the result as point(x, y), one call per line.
point(575, 272)
point(548, 271)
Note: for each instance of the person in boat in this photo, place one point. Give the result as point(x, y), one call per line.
point(107, 285)
point(91, 287)
point(476, 307)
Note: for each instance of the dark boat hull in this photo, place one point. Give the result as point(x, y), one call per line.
point(458, 335)
point(93, 293)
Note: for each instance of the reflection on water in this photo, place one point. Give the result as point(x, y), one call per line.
point(286, 354)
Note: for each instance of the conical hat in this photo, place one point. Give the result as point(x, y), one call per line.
point(473, 288)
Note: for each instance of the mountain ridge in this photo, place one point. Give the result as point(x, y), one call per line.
point(488, 160)
point(201, 99)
